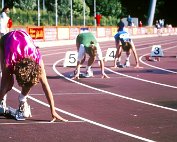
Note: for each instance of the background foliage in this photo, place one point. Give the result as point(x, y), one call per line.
point(25, 11)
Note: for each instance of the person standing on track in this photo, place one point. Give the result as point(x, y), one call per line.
point(87, 44)
point(125, 43)
point(4, 18)
point(19, 56)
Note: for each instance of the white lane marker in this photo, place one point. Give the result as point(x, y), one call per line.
point(140, 58)
point(87, 120)
point(39, 122)
point(60, 94)
point(107, 127)
point(144, 80)
point(114, 94)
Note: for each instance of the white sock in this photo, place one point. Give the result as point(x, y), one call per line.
point(88, 68)
point(128, 57)
point(5, 97)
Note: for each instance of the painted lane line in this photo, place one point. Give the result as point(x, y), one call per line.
point(114, 94)
point(87, 120)
point(40, 122)
point(98, 123)
point(140, 58)
point(144, 80)
point(60, 94)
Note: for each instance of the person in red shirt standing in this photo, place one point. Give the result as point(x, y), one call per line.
point(140, 24)
point(98, 18)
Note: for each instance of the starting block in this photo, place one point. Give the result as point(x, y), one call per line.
point(14, 113)
point(110, 54)
point(156, 53)
point(150, 58)
point(70, 58)
point(81, 75)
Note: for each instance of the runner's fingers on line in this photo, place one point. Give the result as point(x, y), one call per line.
point(57, 117)
point(114, 67)
point(75, 77)
point(105, 76)
point(139, 67)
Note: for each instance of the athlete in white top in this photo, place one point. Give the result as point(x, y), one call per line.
point(125, 43)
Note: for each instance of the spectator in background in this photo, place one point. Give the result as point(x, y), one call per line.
point(157, 25)
point(140, 24)
point(98, 18)
point(161, 23)
point(120, 25)
point(129, 20)
point(4, 19)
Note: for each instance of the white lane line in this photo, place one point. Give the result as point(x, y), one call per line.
point(87, 120)
point(140, 58)
point(38, 122)
point(144, 80)
point(60, 94)
point(90, 121)
point(114, 94)
point(53, 54)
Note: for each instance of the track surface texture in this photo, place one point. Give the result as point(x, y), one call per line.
point(133, 105)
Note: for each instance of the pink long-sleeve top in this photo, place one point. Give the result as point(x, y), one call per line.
point(18, 45)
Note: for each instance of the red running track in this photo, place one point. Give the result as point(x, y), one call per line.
point(132, 105)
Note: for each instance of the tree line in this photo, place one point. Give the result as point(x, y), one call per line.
point(111, 10)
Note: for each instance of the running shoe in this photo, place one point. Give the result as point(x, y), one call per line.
point(24, 111)
point(89, 73)
point(119, 65)
point(2, 106)
point(127, 63)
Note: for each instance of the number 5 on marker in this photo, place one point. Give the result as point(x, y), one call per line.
point(70, 58)
point(110, 54)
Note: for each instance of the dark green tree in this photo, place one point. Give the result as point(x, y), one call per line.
point(25, 4)
point(78, 8)
point(107, 8)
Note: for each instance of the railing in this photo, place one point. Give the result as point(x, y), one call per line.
point(53, 33)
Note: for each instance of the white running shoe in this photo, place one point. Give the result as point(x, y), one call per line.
point(127, 63)
point(2, 106)
point(89, 73)
point(24, 110)
point(119, 65)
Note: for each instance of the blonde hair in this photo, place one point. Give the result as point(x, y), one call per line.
point(27, 72)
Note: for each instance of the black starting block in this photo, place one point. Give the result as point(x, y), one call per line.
point(152, 58)
point(81, 75)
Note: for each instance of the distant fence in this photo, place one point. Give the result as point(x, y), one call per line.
point(53, 33)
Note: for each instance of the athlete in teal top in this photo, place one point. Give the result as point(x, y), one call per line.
point(87, 44)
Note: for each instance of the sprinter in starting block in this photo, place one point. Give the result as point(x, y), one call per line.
point(20, 57)
point(87, 44)
point(125, 43)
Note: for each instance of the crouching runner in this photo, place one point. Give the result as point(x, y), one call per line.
point(20, 57)
point(87, 44)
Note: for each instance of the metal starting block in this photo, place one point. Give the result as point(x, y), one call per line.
point(81, 75)
point(151, 58)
